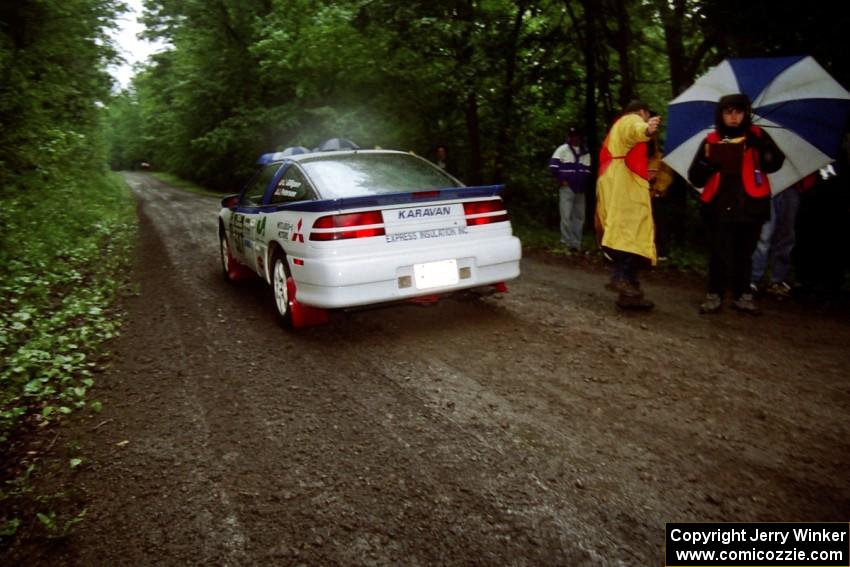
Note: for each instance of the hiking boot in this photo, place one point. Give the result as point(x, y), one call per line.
point(638, 303)
point(624, 288)
point(746, 304)
point(713, 303)
point(621, 286)
point(779, 290)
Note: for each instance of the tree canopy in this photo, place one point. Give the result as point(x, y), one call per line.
point(496, 81)
point(53, 83)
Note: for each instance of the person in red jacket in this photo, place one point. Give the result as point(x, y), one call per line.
point(731, 165)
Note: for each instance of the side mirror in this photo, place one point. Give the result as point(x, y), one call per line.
point(230, 201)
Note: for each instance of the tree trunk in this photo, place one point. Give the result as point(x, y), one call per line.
point(682, 66)
point(506, 118)
point(623, 43)
point(591, 138)
point(473, 133)
point(466, 13)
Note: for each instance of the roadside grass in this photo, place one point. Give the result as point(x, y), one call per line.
point(64, 253)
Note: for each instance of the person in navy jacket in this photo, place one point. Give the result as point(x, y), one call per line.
point(570, 164)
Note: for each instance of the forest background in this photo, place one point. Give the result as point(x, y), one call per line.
point(496, 81)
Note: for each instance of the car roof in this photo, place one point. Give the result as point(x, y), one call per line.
point(335, 154)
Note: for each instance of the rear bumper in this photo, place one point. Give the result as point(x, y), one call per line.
point(332, 282)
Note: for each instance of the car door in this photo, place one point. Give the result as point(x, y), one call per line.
point(242, 228)
point(287, 226)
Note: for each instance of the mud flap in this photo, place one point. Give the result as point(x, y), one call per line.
point(237, 271)
point(500, 287)
point(304, 315)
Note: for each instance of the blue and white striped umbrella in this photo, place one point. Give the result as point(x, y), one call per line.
point(794, 100)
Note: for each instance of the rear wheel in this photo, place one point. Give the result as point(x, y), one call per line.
point(283, 289)
point(227, 261)
point(291, 313)
point(232, 269)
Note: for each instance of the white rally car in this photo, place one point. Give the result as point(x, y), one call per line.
point(342, 229)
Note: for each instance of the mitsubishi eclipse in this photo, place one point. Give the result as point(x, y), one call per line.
point(343, 229)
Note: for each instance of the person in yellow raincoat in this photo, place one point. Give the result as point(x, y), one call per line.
point(623, 203)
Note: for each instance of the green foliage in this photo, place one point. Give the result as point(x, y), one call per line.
point(57, 526)
point(65, 225)
point(496, 81)
point(10, 527)
point(62, 254)
point(122, 117)
point(53, 56)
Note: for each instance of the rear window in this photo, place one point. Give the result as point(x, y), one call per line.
point(375, 174)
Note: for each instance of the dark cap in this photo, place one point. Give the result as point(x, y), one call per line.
point(636, 106)
point(572, 130)
point(738, 101)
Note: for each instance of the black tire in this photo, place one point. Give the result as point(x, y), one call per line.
point(226, 258)
point(282, 288)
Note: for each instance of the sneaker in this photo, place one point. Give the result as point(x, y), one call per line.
point(755, 289)
point(746, 304)
point(713, 303)
point(638, 303)
point(779, 290)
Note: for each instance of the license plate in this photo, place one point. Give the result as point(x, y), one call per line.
point(435, 274)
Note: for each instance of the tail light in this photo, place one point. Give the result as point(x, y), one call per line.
point(355, 225)
point(485, 212)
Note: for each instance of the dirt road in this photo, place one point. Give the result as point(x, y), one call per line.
point(539, 428)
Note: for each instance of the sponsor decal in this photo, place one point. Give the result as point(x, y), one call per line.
point(285, 228)
point(423, 213)
point(237, 230)
point(287, 188)
point(426, 234)
point(261, 226)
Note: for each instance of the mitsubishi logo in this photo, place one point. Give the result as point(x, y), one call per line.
point(297, 236)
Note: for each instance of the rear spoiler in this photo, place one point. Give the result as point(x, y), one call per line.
point(387, 199)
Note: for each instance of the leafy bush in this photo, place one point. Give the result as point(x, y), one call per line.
point(63, 253)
